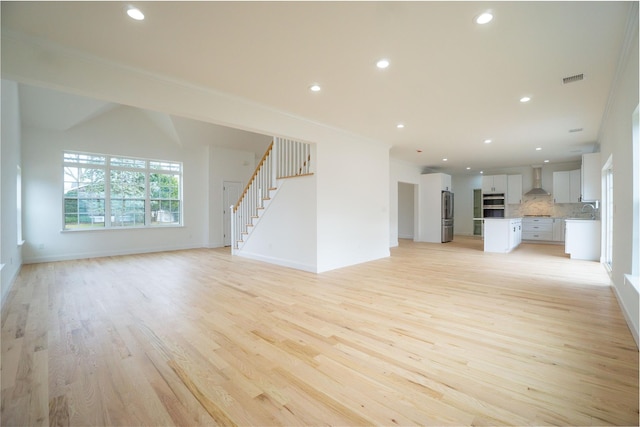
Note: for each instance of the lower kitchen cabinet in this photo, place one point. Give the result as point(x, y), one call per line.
point(583, 239)
point(537, 229)
point(502, 235)
point(558, 229)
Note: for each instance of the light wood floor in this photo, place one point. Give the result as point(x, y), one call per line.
point(433, 335)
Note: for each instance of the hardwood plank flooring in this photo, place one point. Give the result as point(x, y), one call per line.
point(433, 335)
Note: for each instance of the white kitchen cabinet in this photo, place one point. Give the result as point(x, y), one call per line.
point(494, 184)
point(591, 177)
point(558, 229)
point(566, 186)
point(535, 228)
point(515, 232)
point(514, 189)
point(575, 189)
point(502, 235)
point(561, 187)
point(445, 182)
point(430, 206)
point(583, 239)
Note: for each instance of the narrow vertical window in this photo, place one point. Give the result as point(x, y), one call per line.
point(84, 191)
point(607, 210)
point(19, 205)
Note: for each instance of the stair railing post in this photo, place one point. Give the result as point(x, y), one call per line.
point(234, 242)
point(273, 158)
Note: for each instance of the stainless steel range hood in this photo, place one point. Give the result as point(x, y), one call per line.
point(537, 183)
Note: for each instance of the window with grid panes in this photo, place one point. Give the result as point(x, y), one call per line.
point(102, 191)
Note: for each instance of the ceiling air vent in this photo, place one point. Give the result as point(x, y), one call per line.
point(572, 79)
point(576, 130)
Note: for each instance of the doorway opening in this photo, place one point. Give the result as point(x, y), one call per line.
point(477, 212)
point(406, 210)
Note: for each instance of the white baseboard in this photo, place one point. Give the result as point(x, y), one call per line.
point(625, 311)
point(101, 254)
point(12, 282)
point(278, 261)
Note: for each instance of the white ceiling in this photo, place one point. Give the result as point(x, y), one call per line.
point(452, 82)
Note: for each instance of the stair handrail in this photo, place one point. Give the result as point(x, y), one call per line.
point(253, 177)
point(284, 158)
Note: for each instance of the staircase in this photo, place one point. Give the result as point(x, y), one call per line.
point(283, 159)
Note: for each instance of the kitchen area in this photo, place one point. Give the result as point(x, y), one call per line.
point(567, 214)
point(551, 204)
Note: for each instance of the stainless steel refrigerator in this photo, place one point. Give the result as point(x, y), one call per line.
point(447, 216)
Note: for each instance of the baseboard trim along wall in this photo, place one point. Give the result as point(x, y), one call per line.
point(101, 254)
point(628, 281)
point(279, 261)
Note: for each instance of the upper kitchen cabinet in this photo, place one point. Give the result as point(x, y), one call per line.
point(566, 186)
point(445, 182)
point(514, 187)
point(591, 177)
point(494, 184)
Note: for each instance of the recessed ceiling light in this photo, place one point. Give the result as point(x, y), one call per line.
point(487, 141)
point(135, 13)
point(538, 148)
point(445, 159)
point(484, 18)
point(525, 99)
point(468, 168)
point(382, 63)
point(315, 88)
point(546, 161)
point(481, 172)
point(400, 125)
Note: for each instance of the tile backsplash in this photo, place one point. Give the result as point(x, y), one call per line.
point(544, 205)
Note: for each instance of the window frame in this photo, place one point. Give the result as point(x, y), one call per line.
point(607, 215)
point(112, 163)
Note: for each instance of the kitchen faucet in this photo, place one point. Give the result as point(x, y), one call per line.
point(593, 210)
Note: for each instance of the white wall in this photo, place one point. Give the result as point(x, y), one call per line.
point(226, 165)
point(10, 252)
point(399, 172)
point(406, 210)
point(286, 234)
point(123, 131)
point(353, 202)
point(616, 140)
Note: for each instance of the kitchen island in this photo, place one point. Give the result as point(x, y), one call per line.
point(583, 239)
point(502, 235)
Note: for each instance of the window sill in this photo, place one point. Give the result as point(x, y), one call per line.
point(634, 281)
point(101, 230)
